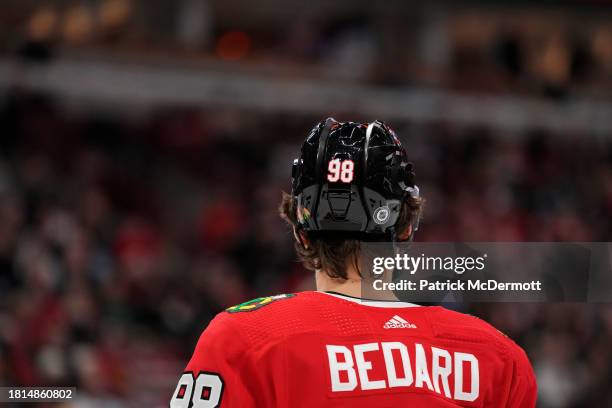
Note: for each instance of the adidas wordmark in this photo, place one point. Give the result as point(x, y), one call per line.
point(397, 322)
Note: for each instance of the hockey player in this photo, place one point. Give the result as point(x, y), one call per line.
point(330, 348)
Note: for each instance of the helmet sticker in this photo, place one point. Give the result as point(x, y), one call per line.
point(381, 214)
point(303, 214)
point(340, 171)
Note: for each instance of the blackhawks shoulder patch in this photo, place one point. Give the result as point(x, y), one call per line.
point(257, 303)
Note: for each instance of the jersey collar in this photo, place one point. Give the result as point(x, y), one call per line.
point(371, 302)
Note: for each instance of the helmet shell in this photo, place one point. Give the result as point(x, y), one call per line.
point(351, 180)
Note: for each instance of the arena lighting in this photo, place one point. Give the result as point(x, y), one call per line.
point(114, 13)
point(42, 24)
point(78, 24)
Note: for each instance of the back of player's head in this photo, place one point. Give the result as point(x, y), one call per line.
point(352, 182)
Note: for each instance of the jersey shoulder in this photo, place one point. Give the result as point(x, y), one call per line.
point(458, 326)
point(265, 319)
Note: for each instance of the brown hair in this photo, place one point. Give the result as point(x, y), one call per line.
point(333, 254)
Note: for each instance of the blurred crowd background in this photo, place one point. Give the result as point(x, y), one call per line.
point(132, 211)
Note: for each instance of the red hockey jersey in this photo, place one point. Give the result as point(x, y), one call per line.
point(315, 349)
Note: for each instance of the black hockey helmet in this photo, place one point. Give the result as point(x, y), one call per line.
point(351, 180)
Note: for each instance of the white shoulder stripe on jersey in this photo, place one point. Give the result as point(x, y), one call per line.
point(373, 303)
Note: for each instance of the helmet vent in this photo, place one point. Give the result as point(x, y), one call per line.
point(339, 203)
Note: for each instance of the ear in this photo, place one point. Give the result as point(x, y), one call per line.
point(406, 234)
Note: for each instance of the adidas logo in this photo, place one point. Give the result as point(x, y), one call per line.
point(397, 322)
